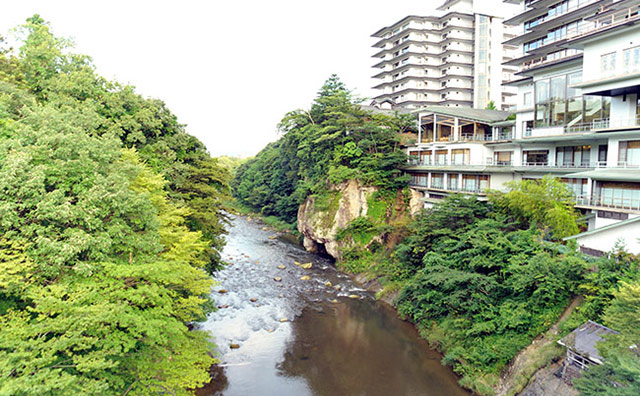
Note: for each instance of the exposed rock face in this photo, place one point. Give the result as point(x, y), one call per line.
point(415, 202)
point(319, 227)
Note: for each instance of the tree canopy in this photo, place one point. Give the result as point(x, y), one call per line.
point(111, 221)
point(335, 140)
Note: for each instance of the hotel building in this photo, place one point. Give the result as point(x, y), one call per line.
point(577, 117)
point(454, 59)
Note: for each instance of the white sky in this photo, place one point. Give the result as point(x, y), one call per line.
point(230, 70)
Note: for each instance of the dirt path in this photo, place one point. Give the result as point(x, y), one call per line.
point(529, 360)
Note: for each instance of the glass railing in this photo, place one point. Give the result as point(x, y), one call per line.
point(608, 202)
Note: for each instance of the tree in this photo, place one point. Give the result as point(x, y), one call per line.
point(620, 373)
point(546, 203)
point(491, 105)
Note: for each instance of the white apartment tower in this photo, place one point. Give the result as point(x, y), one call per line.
point(454, 59)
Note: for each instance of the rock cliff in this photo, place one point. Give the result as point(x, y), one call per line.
point(320, 218)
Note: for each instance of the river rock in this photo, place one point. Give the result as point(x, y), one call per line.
point(265, 229)
point(222, 291)
point(253, 299)
point(284, 320)
point(234, 346)
point(277, 279)
point(305, 278)
point(334, 301)
point(223, 306)
point(297, 263)
point(282, 266)
point(354, 296)
point(307, 265)
point(328, 284)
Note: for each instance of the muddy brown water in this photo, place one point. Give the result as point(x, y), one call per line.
point(337, 340)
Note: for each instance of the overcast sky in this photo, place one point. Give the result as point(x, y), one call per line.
point(228, 69)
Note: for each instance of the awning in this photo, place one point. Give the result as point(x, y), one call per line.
point(615, 174)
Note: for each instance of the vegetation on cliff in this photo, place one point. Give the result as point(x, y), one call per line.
point(334, 141)
point(110, 225)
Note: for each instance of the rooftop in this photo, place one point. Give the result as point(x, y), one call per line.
point(583, 340)
point(482, 115)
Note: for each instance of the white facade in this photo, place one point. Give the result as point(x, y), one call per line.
point(433, 60)
point(577, 117)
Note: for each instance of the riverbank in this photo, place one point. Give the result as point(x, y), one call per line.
point(335, 337)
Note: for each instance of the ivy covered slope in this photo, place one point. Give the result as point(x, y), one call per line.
point(335, 141)
point(110, 224)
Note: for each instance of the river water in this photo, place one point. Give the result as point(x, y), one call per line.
point(281, 333)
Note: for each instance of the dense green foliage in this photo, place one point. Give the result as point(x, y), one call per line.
point(620, 373)
point(334, 141)
point(481, 287)
point(546, 203)
point(103, 262)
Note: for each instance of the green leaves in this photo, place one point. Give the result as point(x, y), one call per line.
point(103, 262)
point(333, 142)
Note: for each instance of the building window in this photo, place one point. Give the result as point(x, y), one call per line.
point(475, 183)
point(577, 186)
point(629, 153)
point(441, 157)
point(503, 158)
point(618, 195)
point(460, 157)
point(573, 156)
point(437, 180)
point(631, 59)
point(452, 181)
point(536, 157)
point(608, 63)
point(526, 99)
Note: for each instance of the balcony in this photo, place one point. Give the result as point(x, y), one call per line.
point(608, 202)
point(616, 123)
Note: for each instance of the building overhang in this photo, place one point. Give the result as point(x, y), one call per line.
point(613, 174)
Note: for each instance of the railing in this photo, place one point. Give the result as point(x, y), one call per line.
point(608, 202)
point(619, 164)
point(505, 136)
point(532, 164)
point(561, 13)
point(527, 132)
point(606, 123)
point(616, 18)
point(477, 138)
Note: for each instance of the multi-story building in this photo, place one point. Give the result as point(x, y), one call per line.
point(578, 117)
point(453, 59)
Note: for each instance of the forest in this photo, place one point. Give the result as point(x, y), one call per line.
point(480, 279)
point(111, 224)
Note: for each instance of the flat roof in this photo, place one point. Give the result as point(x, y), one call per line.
point(615, 174)
point(583, 340)
point(605, 228)
point(483, 115)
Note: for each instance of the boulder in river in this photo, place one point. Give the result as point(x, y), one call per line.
point(307, 265)
point(284, 320)
point(234, 346)
point(222, 291)
point(277, 279)
point(253, 299)
point(305, 278)
point(282, 266)
point(354, 296)
point(328, 284)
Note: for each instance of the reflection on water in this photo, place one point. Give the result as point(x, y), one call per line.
point(328, 345)
point(356, 348)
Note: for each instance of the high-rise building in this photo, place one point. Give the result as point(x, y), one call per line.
point(454, 59)
point(577, 118)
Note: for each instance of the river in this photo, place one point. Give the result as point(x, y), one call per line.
point(281, 333)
